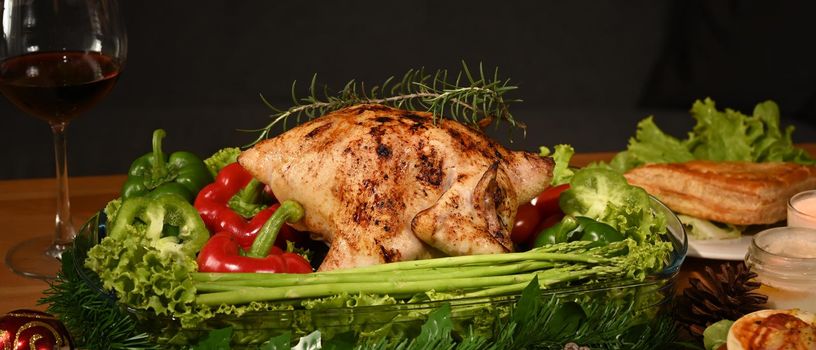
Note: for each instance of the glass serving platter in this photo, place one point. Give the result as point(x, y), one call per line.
point(644, 305)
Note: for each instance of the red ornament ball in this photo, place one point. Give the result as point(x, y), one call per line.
point(31, 329)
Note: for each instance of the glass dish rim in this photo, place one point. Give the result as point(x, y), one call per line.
point(679, 242)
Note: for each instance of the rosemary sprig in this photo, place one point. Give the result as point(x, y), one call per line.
point(475, 99)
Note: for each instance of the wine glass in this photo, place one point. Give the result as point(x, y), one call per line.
point(58, 58)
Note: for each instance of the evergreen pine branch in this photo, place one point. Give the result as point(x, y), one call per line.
point(94, 320)
point(474, 98)
point(607, 325)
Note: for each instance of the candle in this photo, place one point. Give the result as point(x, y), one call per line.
point(784, 259)
point(802, 210)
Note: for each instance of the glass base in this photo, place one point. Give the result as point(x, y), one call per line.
point(36, 258)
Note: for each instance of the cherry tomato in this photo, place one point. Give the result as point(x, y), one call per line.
point(547, 201)
point(527, 219)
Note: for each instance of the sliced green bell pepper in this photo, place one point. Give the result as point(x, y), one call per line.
point(155, 174)
point(170, 223)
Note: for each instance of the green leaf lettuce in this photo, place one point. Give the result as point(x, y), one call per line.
point(652, 145)
point(604, 195)
point(562, 155)
point(222, 158)
point(726, 135)
point(716, 334)
point(703, 229)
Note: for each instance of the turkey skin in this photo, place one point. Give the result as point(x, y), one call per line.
point(381, 184)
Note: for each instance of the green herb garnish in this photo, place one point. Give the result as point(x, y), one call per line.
point(95, 319)
point(477, 100)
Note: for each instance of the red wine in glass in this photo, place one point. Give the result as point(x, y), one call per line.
point(57, 86)
point(58, 58)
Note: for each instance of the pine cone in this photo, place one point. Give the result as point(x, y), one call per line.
point(725, 294)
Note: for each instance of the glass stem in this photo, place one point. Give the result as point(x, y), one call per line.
point(65, 232)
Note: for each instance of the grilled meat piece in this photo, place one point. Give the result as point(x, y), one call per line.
point(773, 330)
point(739, 193)
point(382, 184)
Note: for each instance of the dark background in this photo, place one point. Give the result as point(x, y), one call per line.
point(587, 70)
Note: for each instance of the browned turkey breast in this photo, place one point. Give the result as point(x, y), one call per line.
point(382, 184)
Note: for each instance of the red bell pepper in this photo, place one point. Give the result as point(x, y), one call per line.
point(223, 254)
point(233, 203)
point(547, 202)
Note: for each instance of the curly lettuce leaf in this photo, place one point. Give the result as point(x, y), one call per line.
point(604, 195)
point(112, 208)
point(722, 135)
point(621, 162)
point(346, 300)
point(775, 145)
point(371, 326)
point(652, 145)
point(146, 274)
point(716, 334)
point(732, 136)
point(701, 229)
point(726, 135)
point(562, 155)
point(222, 158)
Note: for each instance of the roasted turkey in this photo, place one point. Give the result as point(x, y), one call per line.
point(382, 184)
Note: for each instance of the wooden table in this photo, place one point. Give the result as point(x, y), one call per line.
point(27, 209)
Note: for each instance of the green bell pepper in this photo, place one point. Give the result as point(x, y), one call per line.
point(170, 222)
point(598, 232)
point(581, 228)
point(563, 231)
point(155, 174)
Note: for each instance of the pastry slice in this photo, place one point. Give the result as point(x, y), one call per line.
point(739, 193)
